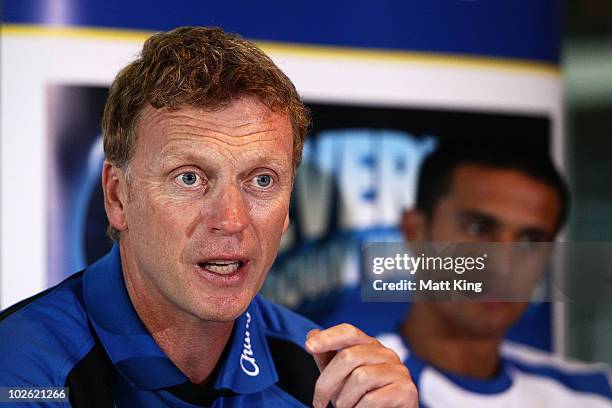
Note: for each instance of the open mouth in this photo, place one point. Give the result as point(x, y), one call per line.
point(221, 267)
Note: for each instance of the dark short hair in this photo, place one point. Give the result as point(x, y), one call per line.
point(437, 169)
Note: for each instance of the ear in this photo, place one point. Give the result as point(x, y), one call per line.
point(115, 188)
point(286, 224)
point(414, 225)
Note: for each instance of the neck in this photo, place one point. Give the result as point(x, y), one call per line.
point(446, 348)
point(194, 345)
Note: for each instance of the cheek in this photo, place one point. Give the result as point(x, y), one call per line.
point(268, 219)
point(156, 214)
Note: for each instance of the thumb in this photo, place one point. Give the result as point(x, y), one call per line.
point(322, 359)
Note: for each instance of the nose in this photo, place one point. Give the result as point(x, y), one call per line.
point(228, 214)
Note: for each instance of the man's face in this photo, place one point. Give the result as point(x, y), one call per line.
point(207, 203)
point(487, 204)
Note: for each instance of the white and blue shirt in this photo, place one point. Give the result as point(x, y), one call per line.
point(527, 378)
point(85, 334)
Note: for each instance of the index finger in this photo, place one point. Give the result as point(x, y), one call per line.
point(336, 338)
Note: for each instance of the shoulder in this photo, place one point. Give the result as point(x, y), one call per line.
point(42, 337)
point(575, 376)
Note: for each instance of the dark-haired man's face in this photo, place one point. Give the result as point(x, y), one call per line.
point(487, 204)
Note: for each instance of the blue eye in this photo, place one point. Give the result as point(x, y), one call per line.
point(263, 180)
point(188, 179)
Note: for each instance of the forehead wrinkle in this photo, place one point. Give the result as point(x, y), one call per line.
point(177, 150)
point(240, 121)
point(165, 121)
point(180, 155)
point(234, 132)
point(186, 135)
point(240, 140)
point(229, 124)
point(185, 142)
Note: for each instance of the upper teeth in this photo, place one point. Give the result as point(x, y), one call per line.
point(222, 266)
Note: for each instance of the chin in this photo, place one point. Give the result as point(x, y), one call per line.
point(224, 309)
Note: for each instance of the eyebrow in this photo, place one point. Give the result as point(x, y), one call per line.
point(480, 216)
point(492, 221)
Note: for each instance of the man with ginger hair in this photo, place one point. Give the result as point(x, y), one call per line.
point(202, 137)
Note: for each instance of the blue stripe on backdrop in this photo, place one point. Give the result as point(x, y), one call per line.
point(523, 29)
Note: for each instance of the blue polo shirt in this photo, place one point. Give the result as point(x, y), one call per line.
point(85, 334)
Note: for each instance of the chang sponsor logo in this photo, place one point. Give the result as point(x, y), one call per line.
point(247, 360)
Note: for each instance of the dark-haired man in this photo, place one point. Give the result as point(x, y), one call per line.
point(202, 136)
point(487, 192)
